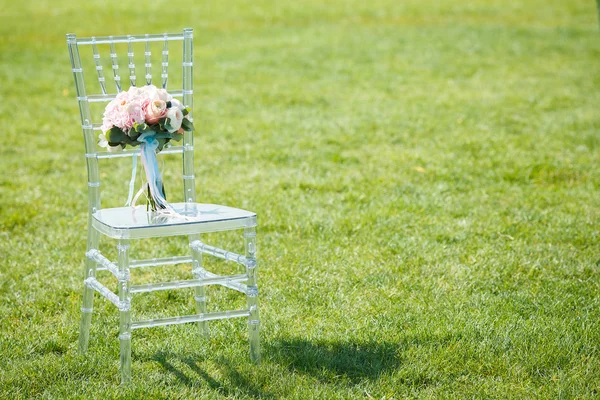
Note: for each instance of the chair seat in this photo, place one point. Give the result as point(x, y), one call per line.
point(134, 223)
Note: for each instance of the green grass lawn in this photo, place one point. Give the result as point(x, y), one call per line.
point(426, 176)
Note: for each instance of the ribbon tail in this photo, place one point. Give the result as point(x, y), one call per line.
point(132, 181)
point(138, 194)
point(153, 176)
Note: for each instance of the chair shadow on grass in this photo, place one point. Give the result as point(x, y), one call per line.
point(331, 360)
point(235, 378)
point(327, 361)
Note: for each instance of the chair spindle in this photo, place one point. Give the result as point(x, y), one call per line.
point(148, 63)
point(252, 293)
point(131, 61)
point(165, 63)
point(101, 79)
point(115, 65)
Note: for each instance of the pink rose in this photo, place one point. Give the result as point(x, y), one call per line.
point(116, 114)
point(136, 112)
point(155, 110)
point(122, 97)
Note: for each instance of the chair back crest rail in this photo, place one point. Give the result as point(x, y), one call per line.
point(125, 57)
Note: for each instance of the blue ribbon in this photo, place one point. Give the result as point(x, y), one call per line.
point(148, 150)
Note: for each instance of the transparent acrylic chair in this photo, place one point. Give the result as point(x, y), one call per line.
point(126, 225)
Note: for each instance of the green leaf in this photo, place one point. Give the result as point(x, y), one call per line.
point(115, 135)
point(187, 125)
point(185, 111)
point(133, 135)
point(161, 143)
point(140, 127)
point(163, 135)
point(162, 122)
point(131, 141)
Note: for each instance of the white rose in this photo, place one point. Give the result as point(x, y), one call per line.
point(102, 142)
point(175, 118)
point(148, 92)
point(134, 91)
point(153, 93)
point(176, 103)
point(163, 95)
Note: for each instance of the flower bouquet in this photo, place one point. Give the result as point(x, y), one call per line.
point(147, 117)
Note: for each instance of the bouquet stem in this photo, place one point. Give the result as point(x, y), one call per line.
point(152, 205)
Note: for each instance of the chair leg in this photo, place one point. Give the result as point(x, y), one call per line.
point(252, 294)
point(199, 291)
point(88, 293)
point(125, 313)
